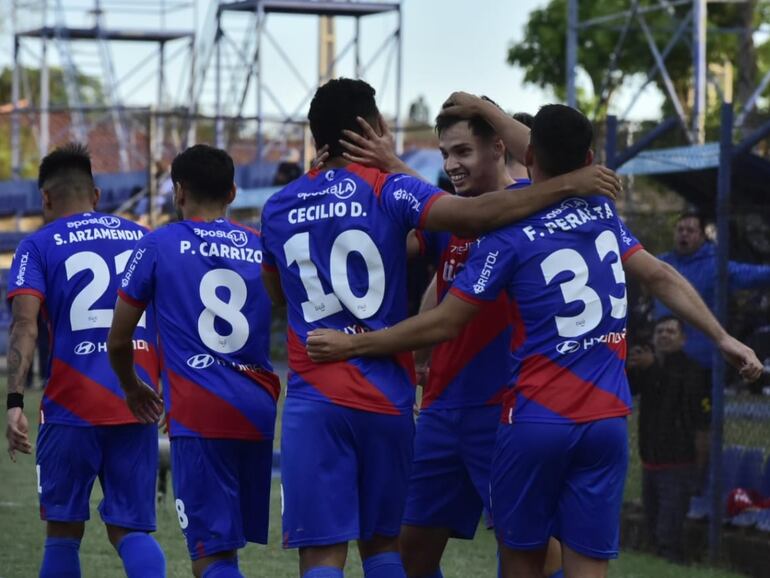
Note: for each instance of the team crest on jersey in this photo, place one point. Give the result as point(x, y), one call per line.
point(110, 221)
point(238, 238)
point(329, 175)
point(200, 361)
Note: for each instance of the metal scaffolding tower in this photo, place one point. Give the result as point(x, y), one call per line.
point(240, 61)
point(54, 18)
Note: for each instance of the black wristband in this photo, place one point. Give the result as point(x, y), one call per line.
point(15, 400)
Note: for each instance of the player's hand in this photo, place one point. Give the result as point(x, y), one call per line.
point(325, 345)
point(321, 156)
point(741, 357)
point(17, 433)
point(595, 180)
point(371, 149)
point(463, 105)
point(144, 402)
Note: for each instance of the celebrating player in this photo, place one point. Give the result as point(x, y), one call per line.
point(68, 270)
point(561, 454)
point(202, 275)
point(334, 246)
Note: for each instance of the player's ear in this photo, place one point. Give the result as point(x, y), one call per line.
point(529, 156)
point(231, 194)
point(97, 196)
point(179, 194)
point(498, 147)
point(46, 198)
point(589, 157)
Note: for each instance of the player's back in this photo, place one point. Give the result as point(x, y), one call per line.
point(213, 318)
point(338, 239)
point(73, 265)
point(565, 278)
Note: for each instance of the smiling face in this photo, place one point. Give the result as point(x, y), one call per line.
point(472, 162)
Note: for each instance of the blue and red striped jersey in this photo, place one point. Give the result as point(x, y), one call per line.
point(204, 280)
point(338, 240)
point(73, 266)
point(562, 269)
point(474, 368)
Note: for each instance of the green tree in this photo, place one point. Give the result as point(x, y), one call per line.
point(90, 88)
point(542, 52)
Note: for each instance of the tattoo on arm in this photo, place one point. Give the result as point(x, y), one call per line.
point(21, 351)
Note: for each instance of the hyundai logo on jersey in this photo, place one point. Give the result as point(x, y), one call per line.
point(569, 346)
point(200, 361)
point(85, 348)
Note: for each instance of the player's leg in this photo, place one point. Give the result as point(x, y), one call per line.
point(592, 497)
point(528, 469)
point(441, 500)
point(319, 485)
point(384, 444)
point(67, 462)
point(206, 490)
point(128, 476)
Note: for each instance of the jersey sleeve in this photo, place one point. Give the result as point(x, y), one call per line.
point(408, 200)
point(27, 274)
point(488, 270)
point(429, 243)
point(629, 244)
point(137, 286)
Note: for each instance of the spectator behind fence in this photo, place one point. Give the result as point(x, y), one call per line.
point(696, 259)
point(673, 409)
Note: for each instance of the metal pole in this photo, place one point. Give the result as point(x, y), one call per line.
point(572, 48)
point(611, 145)
point(219, 136)
point(718, 372)
point(399, 70)
point(152, 183)
point(45, 135)
point(258, 79)
point(358, 47)
point(15, 121)
point(699, 67)
point(160, 126)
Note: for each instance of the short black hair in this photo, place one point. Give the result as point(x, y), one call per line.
point(478, 125)
point(66, 171)
point(561, 138)
point(335, 107)
point(693, 214)
point(524, 118)
point(207, 173)
point(667, 318)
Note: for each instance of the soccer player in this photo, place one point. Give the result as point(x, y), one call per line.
point(202, 275)
point(561, 455)
point(334, 244)
point(68, 271)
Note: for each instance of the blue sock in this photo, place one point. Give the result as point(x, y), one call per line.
point(324, 572)
point(142, 556)
point(223, 569)
point(558, 574)
point(60, 558)
point(385, 565)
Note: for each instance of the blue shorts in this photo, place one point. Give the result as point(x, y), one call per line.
point(344, 473)
point(560, 480)
point(222, 491)
point(124, 457)
point(449, 483)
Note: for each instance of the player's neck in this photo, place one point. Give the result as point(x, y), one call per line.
point(207, 213)
point(336, 163)
point(73, 209)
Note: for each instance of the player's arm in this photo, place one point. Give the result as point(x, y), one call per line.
point(272, 282)
point(422, 356)
point(442, 323)
point(676, 293)
point(474, 216)
point(21, 352)
point(143, 401)
point(515, 135)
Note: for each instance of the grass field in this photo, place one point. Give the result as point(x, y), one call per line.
point(22, 535)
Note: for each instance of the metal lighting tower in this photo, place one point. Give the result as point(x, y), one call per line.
point(241, 63)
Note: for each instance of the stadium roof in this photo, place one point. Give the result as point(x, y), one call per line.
point(318, 7)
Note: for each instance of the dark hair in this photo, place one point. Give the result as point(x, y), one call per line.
point(478, 125)
point(667, 318)
point(207, 173)
point(561, 137)
point(335, 107)
point(524, 118)
point(693, 214)
point(71, 162)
